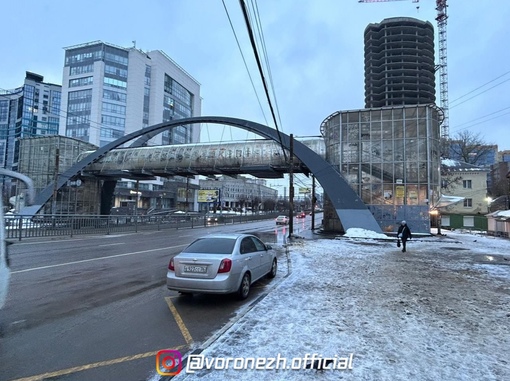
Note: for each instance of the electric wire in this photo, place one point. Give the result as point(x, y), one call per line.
point(479, 87)
point(261, 72)
point(266, 57)
point(474, 96)
point(244, 60)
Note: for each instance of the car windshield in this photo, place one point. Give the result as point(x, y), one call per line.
point(211, 246)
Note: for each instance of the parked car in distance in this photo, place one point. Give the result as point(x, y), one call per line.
point(301, 215)
point(221, 264)
point(282, 220)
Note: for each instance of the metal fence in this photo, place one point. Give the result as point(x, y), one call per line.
point(19, 227)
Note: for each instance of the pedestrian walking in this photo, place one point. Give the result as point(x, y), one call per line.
point(404, 233)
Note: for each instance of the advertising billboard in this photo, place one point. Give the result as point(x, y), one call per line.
point(208, 195)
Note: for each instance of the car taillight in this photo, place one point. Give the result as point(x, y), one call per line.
point(171, 266)
point(225, 266)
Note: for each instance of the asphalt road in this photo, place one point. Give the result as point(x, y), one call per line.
point(97, 308)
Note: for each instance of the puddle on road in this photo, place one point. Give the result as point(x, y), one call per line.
point(454, 248)
point(492, 259)
point(484, 259)
point(278, 236)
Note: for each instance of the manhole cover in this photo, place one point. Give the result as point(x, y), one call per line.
point(455, 248)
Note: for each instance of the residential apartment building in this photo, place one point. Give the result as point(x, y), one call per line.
point(468, 181)
point(504, 156)
point(32, 109)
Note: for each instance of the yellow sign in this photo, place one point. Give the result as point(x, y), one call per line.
point(208, 195)
point(400, 191)
point(304, 190)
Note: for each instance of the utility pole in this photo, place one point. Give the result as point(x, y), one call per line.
point(186, 208)
point(291, 186)
point(55, 183)
point(313, 202)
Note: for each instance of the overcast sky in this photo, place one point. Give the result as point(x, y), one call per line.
point(314, 47)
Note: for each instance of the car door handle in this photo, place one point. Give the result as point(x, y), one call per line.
point(248, 259)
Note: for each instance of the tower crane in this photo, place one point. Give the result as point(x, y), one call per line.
point(442, 66)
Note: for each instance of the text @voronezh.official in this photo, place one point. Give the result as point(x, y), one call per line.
point(169, 362)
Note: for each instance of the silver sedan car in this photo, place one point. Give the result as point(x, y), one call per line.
point(221, 264)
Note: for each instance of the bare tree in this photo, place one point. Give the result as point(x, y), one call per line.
point(269, 204)
point(449, 179)
point(470, 147)
point(242, 199)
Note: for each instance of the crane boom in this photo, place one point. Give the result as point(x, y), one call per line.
point(383, 1)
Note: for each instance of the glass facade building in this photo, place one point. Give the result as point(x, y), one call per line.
point(27, 111)
point(391, 158)
point(110, 91)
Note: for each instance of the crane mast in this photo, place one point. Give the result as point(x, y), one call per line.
point(442, 66)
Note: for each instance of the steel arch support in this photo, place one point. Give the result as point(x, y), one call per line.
point(350, 209)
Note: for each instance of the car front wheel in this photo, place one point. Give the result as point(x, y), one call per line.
point(244, 288)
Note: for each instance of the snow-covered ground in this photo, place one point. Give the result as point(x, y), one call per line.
point(441, 311)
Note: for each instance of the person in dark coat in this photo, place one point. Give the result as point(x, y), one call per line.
point(404, 233)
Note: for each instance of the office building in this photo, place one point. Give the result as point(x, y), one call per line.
point(110, 91)
point(399, 63)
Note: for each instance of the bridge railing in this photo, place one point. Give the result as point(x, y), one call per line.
point(21, 227)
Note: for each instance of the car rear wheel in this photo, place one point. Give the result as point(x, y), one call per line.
point(244, 288)
point(274, 268)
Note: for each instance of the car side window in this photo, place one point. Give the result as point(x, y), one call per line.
point(247, 246)
point(258, 244)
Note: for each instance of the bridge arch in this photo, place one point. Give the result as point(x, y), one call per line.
point(350, 209)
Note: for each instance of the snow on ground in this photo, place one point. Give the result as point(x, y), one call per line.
point(441, 311)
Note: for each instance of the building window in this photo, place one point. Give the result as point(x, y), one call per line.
point(113, 121)
point(116, 71)
point(468, 203)
point(115, 83)
point(81, 94)
point(75, 70)
point(114, 109)
point(80, 82)
point(114, 95)
point(469, 221)
point(466, 184)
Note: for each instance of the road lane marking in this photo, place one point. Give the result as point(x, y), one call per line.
point(179, 321)
point(96, 259)
point(112, 244)
point(81, 368)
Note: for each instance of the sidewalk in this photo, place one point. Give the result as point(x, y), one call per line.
point(441, 311)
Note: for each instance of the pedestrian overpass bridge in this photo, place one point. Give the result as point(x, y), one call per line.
point(259, 158)
point(262, 158)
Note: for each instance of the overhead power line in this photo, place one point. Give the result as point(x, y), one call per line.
point(244, 60)
point(259, 64)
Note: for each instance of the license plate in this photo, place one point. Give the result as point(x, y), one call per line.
point(195, 269)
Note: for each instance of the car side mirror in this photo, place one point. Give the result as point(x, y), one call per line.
point(269, 247)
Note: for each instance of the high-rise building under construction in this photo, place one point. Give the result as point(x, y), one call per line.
point(399, 63)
